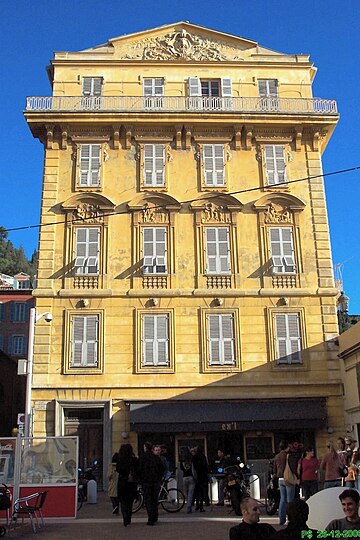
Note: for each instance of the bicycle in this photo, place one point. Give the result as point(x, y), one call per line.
point(171, 499)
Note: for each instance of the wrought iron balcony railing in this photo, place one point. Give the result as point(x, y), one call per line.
point(173, 104)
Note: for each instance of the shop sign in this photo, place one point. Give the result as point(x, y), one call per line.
point(229, 426)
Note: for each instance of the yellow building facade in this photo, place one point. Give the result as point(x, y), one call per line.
point(184, 250)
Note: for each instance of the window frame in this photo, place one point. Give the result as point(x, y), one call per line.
point(282, 256)
point(207, 364)
point(102, 158)
point(272, 313)
point(154, 256)
point(96, 90)
point(154, 171)
point(276, 170)
point(87, 256)
point(18, 315)
point(218, 257)
point(153, 99)
point(202, 145)
point(11, 345)
point(140, 366)
point(75, 369)
point(213, 171)
point(198, 100)
point(268, 93)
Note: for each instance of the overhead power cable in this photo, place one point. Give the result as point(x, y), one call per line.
point(207, 197)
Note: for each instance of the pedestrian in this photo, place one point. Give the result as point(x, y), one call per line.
point(200, 473)
point(308, 473)
point(250, 528)
point(287, 490)
point(127, 467)
point(349, 499)
point(297, 513)
point(152, 471)
point(188, 479)
point(222, 462)
point(113, 477)
point(331, 464)
point(352, 457)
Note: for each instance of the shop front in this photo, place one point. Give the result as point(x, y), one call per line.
point(247, 429)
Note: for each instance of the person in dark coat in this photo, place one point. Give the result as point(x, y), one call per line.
point(151, 474)
point(298, 513)
point(127, 466)
point(200, 473)
point(250, 528)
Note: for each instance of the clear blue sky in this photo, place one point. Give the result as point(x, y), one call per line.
point(326, 29)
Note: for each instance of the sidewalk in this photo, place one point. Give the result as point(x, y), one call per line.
point(95, 521)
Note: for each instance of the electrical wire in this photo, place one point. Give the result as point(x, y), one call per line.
point(205, 196)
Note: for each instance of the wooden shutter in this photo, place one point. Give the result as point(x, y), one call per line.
point(226, 87)
point(87, 86)
point(214, 165)
point(87, 250)
point(274, 164)
point(154, 250)
point(155, 340)
point(217, 250)
point(287, 249)
point(221, 339)
point(276, 249)
point(154, 165)
point(90, 160)
point(85, 341)
point(194, 86)
point(288, 338)
point(282, 249)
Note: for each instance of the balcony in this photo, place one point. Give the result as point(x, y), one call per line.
point(174, 104)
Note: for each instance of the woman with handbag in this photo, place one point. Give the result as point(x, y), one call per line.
point(332, 464)
point(127, 467)
point(287, 479)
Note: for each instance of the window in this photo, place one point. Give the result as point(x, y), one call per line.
point(2, 311)
point(1, 342)
point(18, 311)
point(214, 164)
point(155, 340)
point(268, 87)
point(92, 86)
point(210, 94)
point(288, 338)
point(90, 162)
point(87, 250)
point(282, 250)
point(221, 340)
point(84, 341)
point(91, 93)
point(154, 250)
point(153, 92)
point(275, 164)
point(17, 345)
point(217, 250)
point(24, 284)
point(154, 165)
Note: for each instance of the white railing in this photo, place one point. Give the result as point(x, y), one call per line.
point(181, 104)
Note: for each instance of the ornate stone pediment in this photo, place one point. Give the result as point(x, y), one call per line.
point(90, 213)
point(213, 213)
point(181, 45)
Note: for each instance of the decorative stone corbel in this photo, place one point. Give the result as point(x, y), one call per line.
point(228, 153)
point(128, 130)
point(169, 156)
point(316, 137)
point(297, 139)
point(188, 130)
point(64, 139)
point(258, 154)
point(237, 137)
point(49, 136)
point(116, 137)
point(178, 137)
point(248, 137)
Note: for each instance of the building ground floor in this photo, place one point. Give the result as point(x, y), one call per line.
point(249, 429)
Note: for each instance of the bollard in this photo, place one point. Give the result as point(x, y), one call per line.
point(254, 486)
point(214, 489)
point(91, 491)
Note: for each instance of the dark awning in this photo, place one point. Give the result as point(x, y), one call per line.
point(271, 414)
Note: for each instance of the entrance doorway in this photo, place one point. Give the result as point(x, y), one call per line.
point(87, 424)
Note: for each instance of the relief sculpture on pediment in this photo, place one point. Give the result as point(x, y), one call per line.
point(180, 46)
point(151, 214)
point(215, 214)
point(90, 213)
point(274, 215)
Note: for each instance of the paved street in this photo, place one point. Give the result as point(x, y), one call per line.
point(96, 522)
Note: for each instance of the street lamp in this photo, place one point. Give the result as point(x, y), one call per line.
point(343, 302)
point(34, 317)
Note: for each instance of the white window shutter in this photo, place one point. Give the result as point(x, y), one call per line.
point(194, 86)
point(87, 86)
point(274, 164)
point(154, 165)
point(270, 164)
point(282, 249)
point(268, 87)
point(226, 87)
point(91, 349)
point(155, 340)
point(148, 340)
point(90, 160)
point(78, 335)
point(214, 339)
point(228, 339)
point(280, 164)
point(217, 250)
point(154, 250)
point(87, 250)
point(97, 86)
point(288, 338)
point(214, 164)
point(221, 339)
point(162, 340)
point(85, 334)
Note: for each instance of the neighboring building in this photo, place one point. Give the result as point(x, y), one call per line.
point(15, 302)
point(349, 354)
point(189, 276)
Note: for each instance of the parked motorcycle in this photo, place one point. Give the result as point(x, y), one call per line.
point(237, 484)
point(272, 492)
